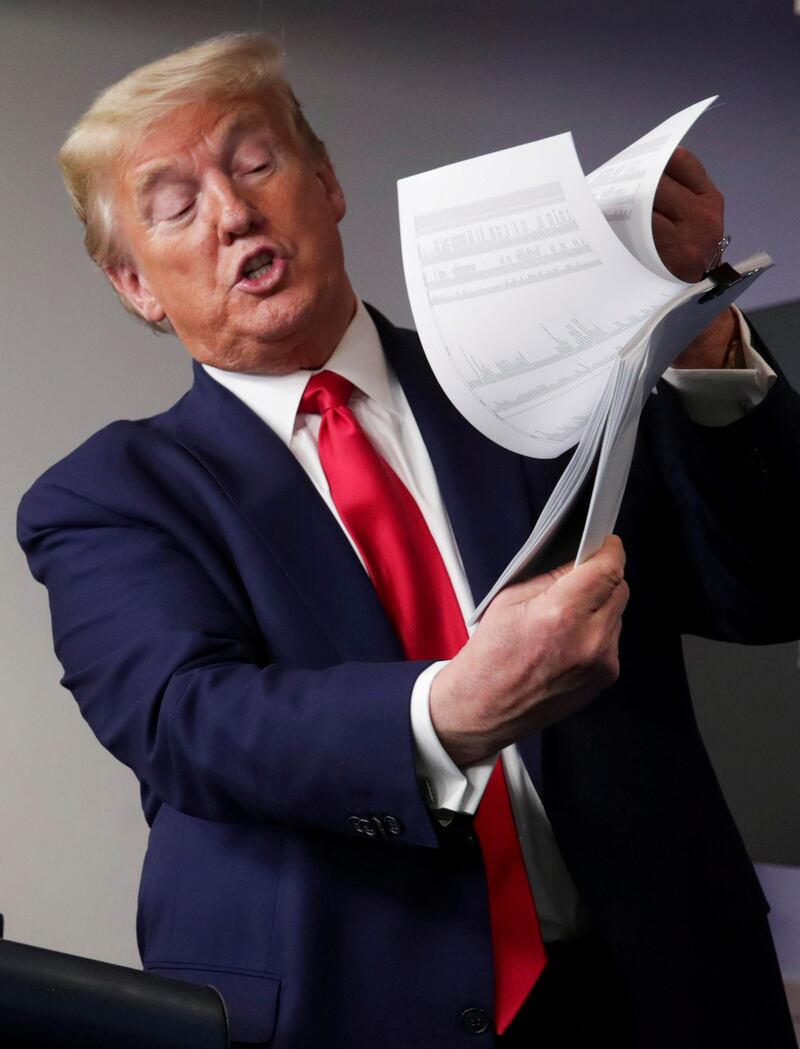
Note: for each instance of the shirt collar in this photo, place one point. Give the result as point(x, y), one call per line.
point(358, 357)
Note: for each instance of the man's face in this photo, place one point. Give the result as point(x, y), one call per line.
point(232, 232)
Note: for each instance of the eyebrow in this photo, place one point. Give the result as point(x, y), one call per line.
point(150, 177)
point(161, 172)
point(244, 121)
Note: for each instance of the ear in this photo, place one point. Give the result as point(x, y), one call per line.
point(133, 286)
point(333, 191)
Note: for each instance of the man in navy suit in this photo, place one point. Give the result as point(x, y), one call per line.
point(310, 790)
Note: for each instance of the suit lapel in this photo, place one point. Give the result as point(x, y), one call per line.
point(271, 490)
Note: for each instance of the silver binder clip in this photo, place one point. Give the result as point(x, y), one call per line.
point(723, 276)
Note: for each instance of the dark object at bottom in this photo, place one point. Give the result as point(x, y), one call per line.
point(578, 1002)
point(50, 1000)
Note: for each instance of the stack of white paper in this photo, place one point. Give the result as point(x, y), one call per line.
point(544, 310)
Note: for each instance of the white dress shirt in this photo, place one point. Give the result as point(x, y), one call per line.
point(713, 397)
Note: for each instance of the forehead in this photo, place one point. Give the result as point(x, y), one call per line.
point(201, 128)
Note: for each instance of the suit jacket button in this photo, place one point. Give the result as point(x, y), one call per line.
point(392, 825)
point(476, 1021)
point(362, 826)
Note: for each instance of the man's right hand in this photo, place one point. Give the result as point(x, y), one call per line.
point(543, 650)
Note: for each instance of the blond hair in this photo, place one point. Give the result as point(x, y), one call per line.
point(227, 67)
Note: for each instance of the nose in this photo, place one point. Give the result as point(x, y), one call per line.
point(236, 215)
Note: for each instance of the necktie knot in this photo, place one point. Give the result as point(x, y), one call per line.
point(325, 390)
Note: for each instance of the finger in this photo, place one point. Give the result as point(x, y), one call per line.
point(532, 588)
point(664, 229)
point(610, 629)
point(602, 629)
point(610, 641)
point(609, 610)
point(617, 603)
point(684, 167)
point(589, 586)
point(673, 200)
point(613, 546)
point(614, 644)
point(616, 633)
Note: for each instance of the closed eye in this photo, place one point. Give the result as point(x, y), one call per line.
point(182, 213)
point(170, 205)
point(244, 167)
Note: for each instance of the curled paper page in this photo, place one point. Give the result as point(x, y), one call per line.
point(625, 186)
point(522, 294)
point(526, 278)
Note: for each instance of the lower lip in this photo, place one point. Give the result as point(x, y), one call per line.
point(266, 283)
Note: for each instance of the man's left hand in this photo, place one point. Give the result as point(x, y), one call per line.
point(688, 223)
point(688, 214)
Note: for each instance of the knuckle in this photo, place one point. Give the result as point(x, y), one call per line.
point(715, 194)
point(615, 575)
point(553, 618)
point(696, 255)
point(610, 576)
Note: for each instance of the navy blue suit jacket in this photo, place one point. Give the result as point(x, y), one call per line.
point(222, 640)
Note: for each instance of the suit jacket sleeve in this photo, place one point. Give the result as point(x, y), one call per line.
point(161, 651)
point(728, 510)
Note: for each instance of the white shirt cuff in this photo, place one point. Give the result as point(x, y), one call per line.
point(448, 786)
point(719, 396)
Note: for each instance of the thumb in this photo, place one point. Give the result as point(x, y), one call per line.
point(593, 582)
point(539, 584)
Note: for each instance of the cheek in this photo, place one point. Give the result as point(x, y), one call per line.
point(322, 238)
point(188, 271)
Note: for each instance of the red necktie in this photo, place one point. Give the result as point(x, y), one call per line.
point(410, 578)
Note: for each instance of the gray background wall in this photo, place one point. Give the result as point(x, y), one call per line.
point(394, 88)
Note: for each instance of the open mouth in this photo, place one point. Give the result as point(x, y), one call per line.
point(259, 266)
point(261, 272)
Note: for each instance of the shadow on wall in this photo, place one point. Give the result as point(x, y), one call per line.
point(779, 327)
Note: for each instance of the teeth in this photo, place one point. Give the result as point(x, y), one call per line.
point(258, 264)
point(259, 273)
